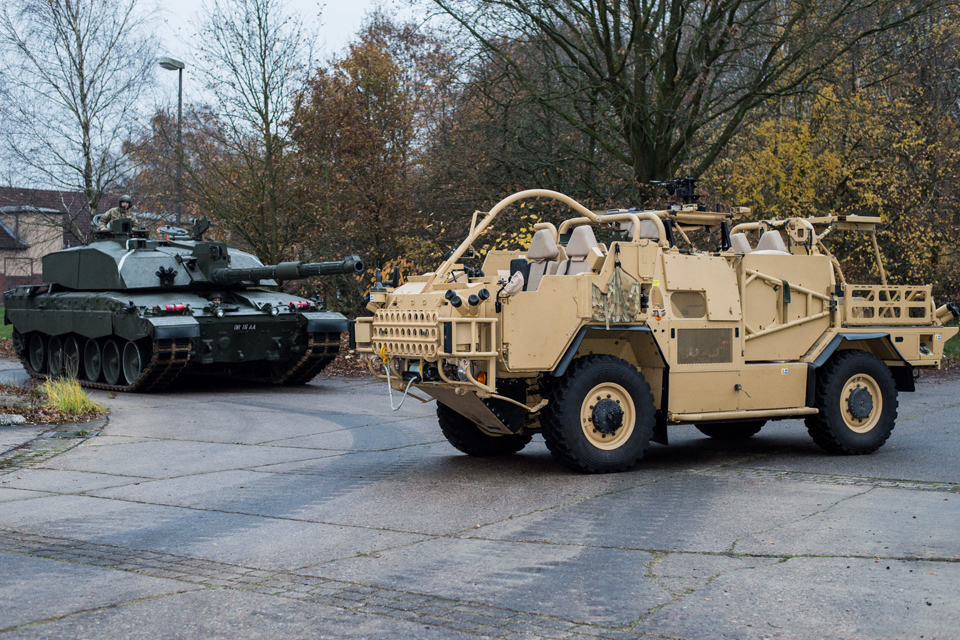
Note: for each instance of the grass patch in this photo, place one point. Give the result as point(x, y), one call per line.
point(67, 396)
point(952, 348)
point(33, 402)
point(6, 330)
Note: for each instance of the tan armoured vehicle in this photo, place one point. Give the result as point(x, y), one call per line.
point(602, 346)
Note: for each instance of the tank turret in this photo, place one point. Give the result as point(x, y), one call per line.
point(128, 312)
point(124, 258)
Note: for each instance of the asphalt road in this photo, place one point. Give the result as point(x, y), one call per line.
point(257, 512)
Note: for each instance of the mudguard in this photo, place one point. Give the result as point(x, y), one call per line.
point(174, 327)
point(325, 322)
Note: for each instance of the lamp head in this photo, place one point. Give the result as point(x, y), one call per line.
point(170, 64)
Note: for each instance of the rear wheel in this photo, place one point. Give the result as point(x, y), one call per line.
point(470, 438)
point(857, 399)
point(54, 357)
point(37, 352)
point(133, 361)
point(600, 417)
point(71, 358)
point(112, 364)
point(731, 430)
point(92, 360)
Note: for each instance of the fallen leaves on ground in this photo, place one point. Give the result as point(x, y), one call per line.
point(33, 408)
point(6, 348)
point(348, 363)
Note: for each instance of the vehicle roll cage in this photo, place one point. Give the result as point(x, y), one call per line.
point(807, 231)
point(685, 214)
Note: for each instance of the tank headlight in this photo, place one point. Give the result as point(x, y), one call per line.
point(274, 311)
point(218, 312)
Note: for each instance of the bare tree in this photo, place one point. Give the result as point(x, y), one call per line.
point(501, 138)
point(73, 76)
point(255, 54)
point(671, 82)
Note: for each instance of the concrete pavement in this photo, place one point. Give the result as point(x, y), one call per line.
point(216, 511)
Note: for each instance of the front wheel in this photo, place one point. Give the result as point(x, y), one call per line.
point(731, 430)
point(133, 361)
point(600, 417)
point(470, 438)
point(857, 399)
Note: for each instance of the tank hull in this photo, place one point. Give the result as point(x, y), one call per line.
point(61, 332)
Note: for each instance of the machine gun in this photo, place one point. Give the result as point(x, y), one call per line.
point(686, 188)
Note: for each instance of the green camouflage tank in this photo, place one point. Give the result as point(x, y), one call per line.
point(130, 313)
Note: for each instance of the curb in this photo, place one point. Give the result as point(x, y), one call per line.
point(59, 439)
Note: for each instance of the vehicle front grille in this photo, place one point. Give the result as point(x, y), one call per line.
point(406, 333)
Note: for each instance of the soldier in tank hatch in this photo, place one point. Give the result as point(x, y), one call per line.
point(123, 210)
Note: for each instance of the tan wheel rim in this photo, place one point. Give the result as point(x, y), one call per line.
point(615, 393)
point(861, 424)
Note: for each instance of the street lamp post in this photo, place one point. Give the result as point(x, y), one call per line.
point(175, 65)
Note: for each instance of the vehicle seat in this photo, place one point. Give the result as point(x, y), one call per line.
point(648, 230)
point(740, 244)
point(581, 242)
point(541, 255)
point(554, 265)
point(771, 243)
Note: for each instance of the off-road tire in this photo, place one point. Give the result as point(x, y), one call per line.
point(731, 430)
point(566, 420)
point(831, 428)
point(466, 436)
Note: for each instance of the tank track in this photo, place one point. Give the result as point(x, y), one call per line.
point(169, 358)
point(321, 350)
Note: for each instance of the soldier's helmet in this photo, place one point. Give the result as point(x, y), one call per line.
point(126, 199)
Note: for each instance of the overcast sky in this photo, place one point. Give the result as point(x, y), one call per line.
point(339, 21)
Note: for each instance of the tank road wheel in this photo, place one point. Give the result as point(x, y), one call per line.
point(731, 430)
point(133, 361)
point(857, 399)
point(468, 437)
point(600, 417)
point(71, 358)
point(112, 364)
point(92, 360)
point(54, 357)
point(37, 352)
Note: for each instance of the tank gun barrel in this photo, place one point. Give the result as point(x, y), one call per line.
point(289, 271)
